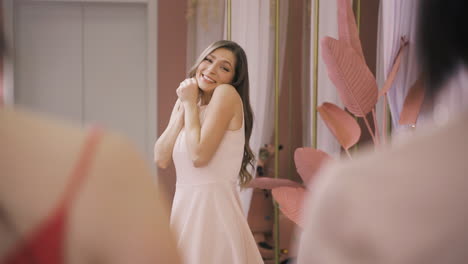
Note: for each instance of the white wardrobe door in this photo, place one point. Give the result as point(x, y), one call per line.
point(115, 68)
point(48, 61)
point(85, 62)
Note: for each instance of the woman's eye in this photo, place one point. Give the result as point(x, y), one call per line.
point(226, 69)
point(209, 60)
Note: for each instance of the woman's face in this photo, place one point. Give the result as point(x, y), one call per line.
point(217, 68)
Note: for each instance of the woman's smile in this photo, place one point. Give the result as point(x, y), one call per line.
point(207, 79)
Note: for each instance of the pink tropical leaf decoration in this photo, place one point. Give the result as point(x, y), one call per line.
point(309, 161)
point(343, 126)
point(290, 202)
point(347, 28)
point(270, 183)
point(396, 65)
point(413, 102)
point(354, 81)
point(388, 84)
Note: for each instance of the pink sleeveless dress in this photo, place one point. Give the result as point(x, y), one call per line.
point(207, 217)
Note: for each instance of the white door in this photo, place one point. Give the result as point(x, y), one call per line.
point(87, 62)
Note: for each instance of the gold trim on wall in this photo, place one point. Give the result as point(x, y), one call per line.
point(357, 15)
point(229, 19)
point(276, 234)
point(315, 73)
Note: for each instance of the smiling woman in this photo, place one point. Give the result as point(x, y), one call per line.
point(215, 69)
point(208, 139)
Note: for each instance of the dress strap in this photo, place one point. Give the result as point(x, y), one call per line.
point(84, 163)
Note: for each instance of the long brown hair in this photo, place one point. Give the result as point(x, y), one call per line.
point(241, 83)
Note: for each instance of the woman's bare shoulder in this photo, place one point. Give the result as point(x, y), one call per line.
point(225, 96)
point(226, 90)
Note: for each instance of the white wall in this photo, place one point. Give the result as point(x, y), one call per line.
point(89, 62)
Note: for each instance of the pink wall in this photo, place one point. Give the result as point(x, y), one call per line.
point(172, 41)
point(1, 53)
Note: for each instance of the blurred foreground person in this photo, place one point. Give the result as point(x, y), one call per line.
point(74, 196)
point(406, 204)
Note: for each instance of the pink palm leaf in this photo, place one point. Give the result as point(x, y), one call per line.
point(413, 102)
point(396, 65)
point(347, 28)
point(389, 82)
point(308, 161)
point(291, 199)
point(271, 183)
point(290, 202)
point(353, 80)
point(343, 126)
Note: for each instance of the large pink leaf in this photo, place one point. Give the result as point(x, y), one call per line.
point(309, 161)
point(396, 65)
point(347, 28)
point(343, 126)
point(353, 80)
point(290, 202)
point(270, 183)
point(413, 102)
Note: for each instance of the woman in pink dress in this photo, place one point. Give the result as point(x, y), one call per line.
point(208, 139)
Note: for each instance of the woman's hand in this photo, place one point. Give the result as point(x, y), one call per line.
point(188, 91)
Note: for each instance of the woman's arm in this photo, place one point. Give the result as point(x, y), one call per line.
point(165, 143)
point(203, 141)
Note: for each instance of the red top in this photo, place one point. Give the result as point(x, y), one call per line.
point(45, 244)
